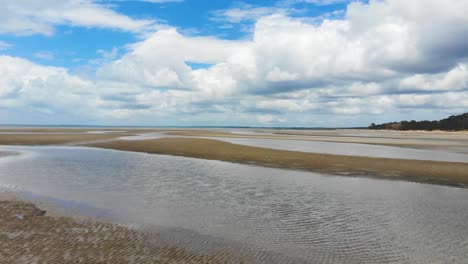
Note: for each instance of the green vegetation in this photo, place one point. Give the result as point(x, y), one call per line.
point(452, 123)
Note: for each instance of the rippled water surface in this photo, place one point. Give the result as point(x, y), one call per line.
point(271, 215)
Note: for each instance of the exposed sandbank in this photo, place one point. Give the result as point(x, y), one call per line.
point(413, 139)
point(51, 139)
point(457, 141)
point(447, 173)
point(29, 235)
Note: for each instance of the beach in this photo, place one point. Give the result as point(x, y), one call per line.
point(29, 235)
point(202, 144)
point(263, 132)
point(53, 139)
point(206, 196)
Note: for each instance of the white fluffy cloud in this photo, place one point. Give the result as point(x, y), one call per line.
point(453, 80)
point(382, 57)
point(27, 85)
point(160, 61)
point(26, 17)
point(376, 41)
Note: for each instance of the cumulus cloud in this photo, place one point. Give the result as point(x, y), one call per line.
point(39, 88)
point(381, 57)
point(27, 17)
point(160, 61)
point(454, 79)
point(384, 41)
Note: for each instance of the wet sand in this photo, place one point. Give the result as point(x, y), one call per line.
point(29, 235)
point(457, 141)
point(446, 173)
point(53, 139)
point(410, 139)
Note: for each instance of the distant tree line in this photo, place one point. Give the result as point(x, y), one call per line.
point(455, 122)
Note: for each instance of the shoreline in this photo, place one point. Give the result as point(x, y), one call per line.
point(58, 239)
point(54, 139)
point(433, 172)
point(53, 237)
point(406, 139)
point(336, 137)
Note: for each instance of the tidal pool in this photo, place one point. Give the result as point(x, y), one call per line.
point(268, 215)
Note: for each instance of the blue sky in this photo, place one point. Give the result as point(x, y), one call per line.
point(254, 63)
point(71, 46)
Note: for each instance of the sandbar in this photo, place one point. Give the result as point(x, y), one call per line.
point(53, 139)
point(435, 172)
point(436, 140)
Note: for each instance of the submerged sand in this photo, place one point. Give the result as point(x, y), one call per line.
point(4, 154)
point(447, 173)
point(29, 235)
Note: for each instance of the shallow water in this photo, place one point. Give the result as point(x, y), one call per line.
point(450, 154)
point(351, 149)
point(270, 215)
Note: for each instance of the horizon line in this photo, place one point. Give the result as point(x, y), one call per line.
point(177, 126)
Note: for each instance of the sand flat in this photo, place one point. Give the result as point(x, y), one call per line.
point(410, 139)
point(457, 141)
point(51, 139)
point(29, 235)
point(448, 173)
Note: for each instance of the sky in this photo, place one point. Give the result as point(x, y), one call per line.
point(288, 63)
